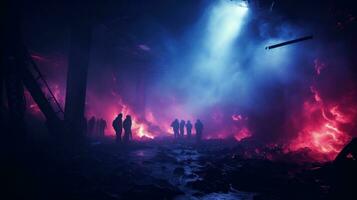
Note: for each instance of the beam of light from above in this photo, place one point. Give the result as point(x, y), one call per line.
point(212, 61)
point(224, 25)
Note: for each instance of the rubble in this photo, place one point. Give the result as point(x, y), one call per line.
point(213, 169)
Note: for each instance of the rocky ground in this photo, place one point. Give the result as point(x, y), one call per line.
point(169, 169)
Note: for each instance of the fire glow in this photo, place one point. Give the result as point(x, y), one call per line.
point(240, 129)
point(323, 129)
point(324, 126)
point(218, 84)
point(140, 130)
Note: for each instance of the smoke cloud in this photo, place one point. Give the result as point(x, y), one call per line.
point(214, 66)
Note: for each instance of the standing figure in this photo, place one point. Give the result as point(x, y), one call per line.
point(85, 125)
point(175, 126)
point(98, 127)
point(189, 129)
point(182, 128)
point(91, 125)
point(127, 129)
point(199, 129)
point(104, 127)
point(118, 126)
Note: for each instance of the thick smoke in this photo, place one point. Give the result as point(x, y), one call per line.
point(220, 68)
point(214, 66)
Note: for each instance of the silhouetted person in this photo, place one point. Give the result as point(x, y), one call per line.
point(189, 129)
point(98, 126)
point(199, 129)
point(182, 128)
point(104, 126)
point(85, 125)
point(91, 125)
point(127, 129)
point(175, 126)
point(118, 126)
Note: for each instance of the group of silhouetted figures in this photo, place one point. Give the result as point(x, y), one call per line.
point(96, 127)
point(118, 125)
point(179, 129)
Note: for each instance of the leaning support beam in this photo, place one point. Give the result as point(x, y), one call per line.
point(289, 42)
point(39, 97)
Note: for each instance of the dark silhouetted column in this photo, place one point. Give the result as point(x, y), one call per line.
point(80, 39)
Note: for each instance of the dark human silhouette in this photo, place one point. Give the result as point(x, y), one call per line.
point(127, 129)
point(175, 126)
point(118, 126)
point(98, 127)
point(91, 125)
point(189, 129)
point(182, 128)
point(102, 125)
point(85, 125)
point(199, 129)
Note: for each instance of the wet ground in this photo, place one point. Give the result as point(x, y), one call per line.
point(179, 164)
point(165, 170)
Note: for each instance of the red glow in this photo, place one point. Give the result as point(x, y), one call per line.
point(240, 129)
point(243, 133)
point(31, 105)
point(139, 129)
point(324, 124)
point(38, 57)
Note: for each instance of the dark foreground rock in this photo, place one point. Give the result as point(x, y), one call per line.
point(169, 170)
